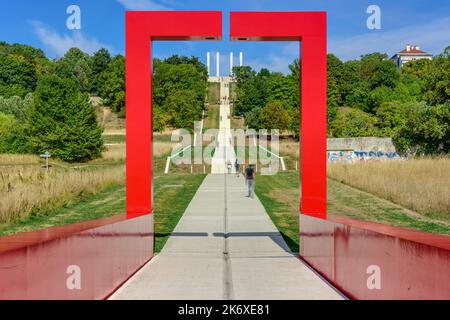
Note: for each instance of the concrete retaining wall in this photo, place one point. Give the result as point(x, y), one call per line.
point(351, 150)
point(361, 144)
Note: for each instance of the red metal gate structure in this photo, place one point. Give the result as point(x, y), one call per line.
point(142, 28)
point(364, 260)
point(309, 28)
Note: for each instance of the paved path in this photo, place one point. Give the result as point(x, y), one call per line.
point(199, 263)
point(225, 150)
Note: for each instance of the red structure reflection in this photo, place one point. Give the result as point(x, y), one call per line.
point(412, 264)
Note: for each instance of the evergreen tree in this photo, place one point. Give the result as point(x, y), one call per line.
point(62, 121)
point(99, 63)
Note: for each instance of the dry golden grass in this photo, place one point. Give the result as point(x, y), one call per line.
point(289, 147)
point(25, 187)
point(162, 148)
point(114, 132)
point(422, 184)
point(114, 153)
point(14, 159)
point(117, 152)
point(26, 190)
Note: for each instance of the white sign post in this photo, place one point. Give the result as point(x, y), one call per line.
point(46, 155)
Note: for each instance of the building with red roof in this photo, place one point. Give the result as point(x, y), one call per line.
point(410, 53)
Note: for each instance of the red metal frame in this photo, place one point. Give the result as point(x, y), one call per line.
point(309, 28)
point(142, 28)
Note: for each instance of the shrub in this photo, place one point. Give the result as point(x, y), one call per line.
point(351, 122)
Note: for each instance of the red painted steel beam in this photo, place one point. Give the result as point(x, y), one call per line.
point(143, 27)
point(311, 29)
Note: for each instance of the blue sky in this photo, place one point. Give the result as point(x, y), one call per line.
point(43, 24)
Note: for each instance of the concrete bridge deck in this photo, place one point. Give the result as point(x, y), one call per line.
point(200, 263)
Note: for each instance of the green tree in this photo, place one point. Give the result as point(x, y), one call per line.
point(275, 115)
point(377, 71)
point(423, 129)
point(194, 61)
point(182, 108)
point(437, 81)
point(294, 67)
point(16, 106)
point(13, 135)
point(169, 78)
point(112, 91)
point(359, 97)
point(6, 123)
point(248, 96)
point(17, 75)
point(352, 122)
point(62, 121)
point(98, 63)
point(160, 119)
point(282, 89)
point(32, 55)
point(75, 66)
point(253, 119)
point(361, 78)
point(337, 82)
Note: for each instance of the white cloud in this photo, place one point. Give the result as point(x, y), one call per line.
point(142, 5)
point(59, 44)
point(432, 37)
point(279, 61)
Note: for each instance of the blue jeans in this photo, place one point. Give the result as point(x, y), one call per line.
point(251, 187)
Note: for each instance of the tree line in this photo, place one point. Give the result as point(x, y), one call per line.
point(366, 97)
point(45, 104)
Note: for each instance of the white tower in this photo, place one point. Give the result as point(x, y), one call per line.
point(241, 59)
point(217, 64)
point(231, 63)
point(208, 63)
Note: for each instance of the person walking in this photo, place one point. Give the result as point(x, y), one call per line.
point(237, 166)
point(250, 179)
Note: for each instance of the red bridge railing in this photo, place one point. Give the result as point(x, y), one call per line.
point(86, 260)
point(373, 261)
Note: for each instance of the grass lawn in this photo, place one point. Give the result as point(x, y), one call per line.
point(104, 204)
point(213, 93)
point(114, 139)
point(280, 196)
point(212, 117)
point(172, 194)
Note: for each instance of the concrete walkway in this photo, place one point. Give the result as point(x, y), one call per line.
point(199, 263)
point(224, 152)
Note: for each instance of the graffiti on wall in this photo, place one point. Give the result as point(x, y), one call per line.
point(341, 156)
point(360, 156)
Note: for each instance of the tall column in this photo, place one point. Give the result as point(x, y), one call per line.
point(231, 63)
point(241, 59)
point(217, 64)
point(208, 63)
